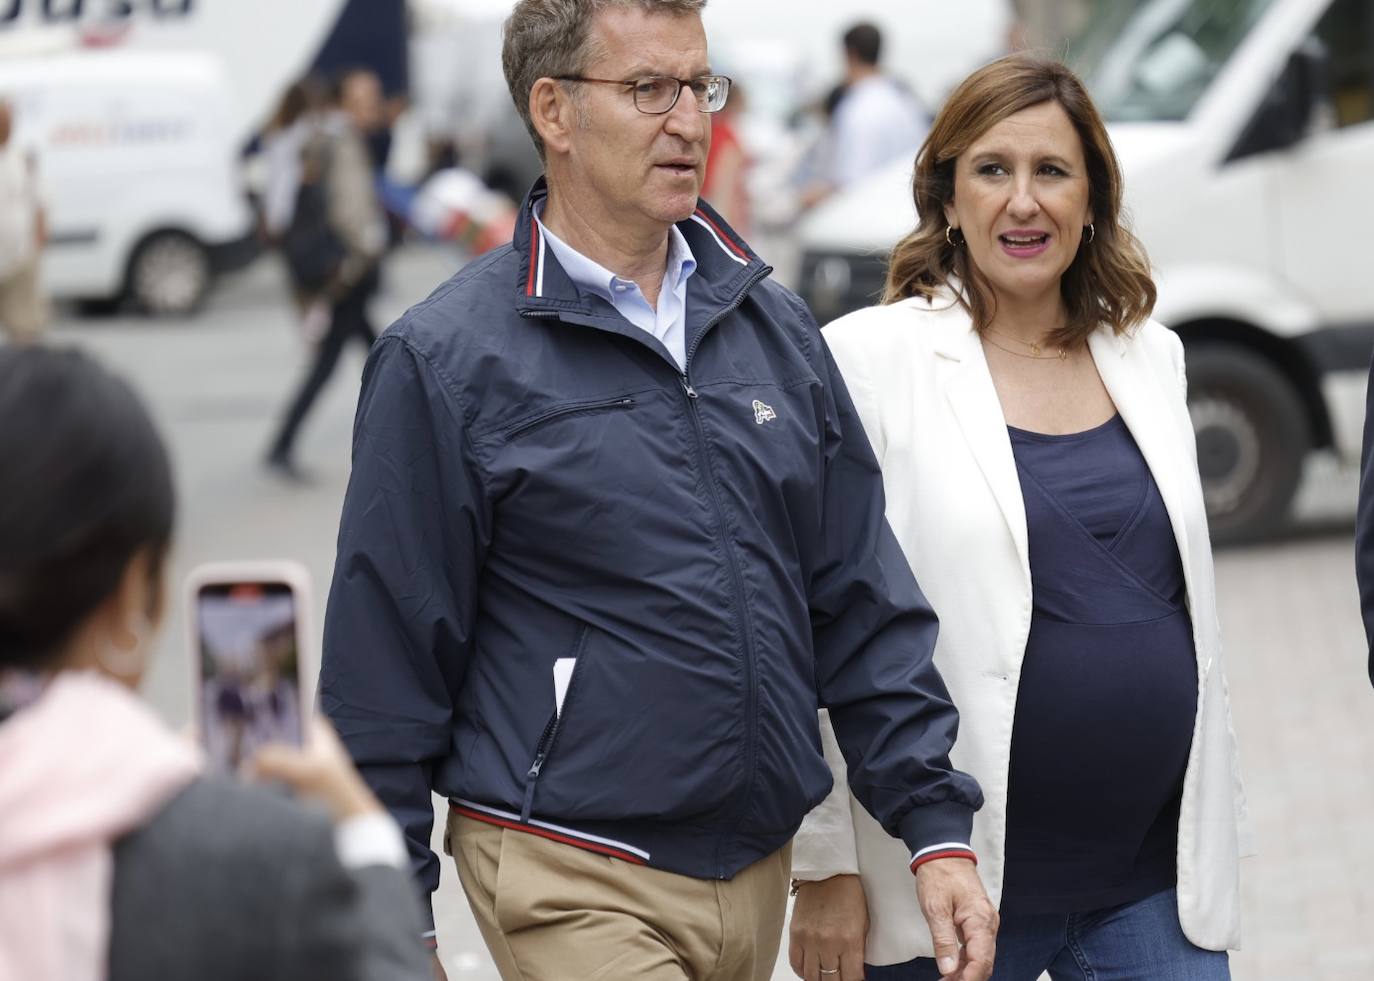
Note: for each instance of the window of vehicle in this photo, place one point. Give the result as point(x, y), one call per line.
point(1346, 32)
point(1154, 61)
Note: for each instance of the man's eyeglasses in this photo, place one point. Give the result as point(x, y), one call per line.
point(657, 94)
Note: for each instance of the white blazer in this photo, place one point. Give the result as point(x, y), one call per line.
point(921, 384)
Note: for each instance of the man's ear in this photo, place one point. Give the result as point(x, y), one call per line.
point(553, 114)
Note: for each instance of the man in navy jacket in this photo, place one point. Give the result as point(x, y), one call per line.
point(613, 533)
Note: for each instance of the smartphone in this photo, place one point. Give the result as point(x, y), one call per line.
point(247, 624)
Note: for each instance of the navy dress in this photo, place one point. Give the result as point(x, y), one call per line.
point(1108, 690)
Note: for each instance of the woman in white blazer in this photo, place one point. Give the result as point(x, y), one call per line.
point(1041, 476)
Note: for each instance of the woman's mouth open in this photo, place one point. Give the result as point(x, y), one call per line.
point(1024, 245)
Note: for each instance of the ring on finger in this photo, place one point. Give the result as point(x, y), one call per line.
point(831, 971)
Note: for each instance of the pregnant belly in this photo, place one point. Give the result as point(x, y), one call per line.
point(1104, 723)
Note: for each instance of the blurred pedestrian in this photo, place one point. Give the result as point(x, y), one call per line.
point(877, 119)
point(726, 185)
point(118, 859)
point(334, 246)
point(612, 532)
point(1041, 471)
point(24, 312)
point(293, 126)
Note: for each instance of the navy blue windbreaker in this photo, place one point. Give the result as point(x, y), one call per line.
point(534, 479)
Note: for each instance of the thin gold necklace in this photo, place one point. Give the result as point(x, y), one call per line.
point(1035, 354)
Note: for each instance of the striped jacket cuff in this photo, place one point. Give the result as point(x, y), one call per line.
point(948, 849)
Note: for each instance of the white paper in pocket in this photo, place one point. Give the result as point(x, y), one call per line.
point(562, 677)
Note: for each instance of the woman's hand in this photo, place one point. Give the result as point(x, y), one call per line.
point(320, 770)
point(829, 927)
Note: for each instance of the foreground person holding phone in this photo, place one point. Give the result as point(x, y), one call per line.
point(1041, 475)
point(118, 859)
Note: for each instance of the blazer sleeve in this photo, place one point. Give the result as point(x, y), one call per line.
point(1244, 831)
point(874, 640)
point(351, 925)
point(399, 627)
point(825, 844)
point(1364, 525)
point(235, 880)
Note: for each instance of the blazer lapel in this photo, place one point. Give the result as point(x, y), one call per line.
point(1146, 412)
point(973, 398)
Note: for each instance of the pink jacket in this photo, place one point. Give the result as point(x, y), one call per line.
point(79, 768)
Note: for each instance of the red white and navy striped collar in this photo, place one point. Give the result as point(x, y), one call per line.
point(719, 252)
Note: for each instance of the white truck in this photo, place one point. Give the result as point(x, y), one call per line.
point(136, 113)
point(1246, 131)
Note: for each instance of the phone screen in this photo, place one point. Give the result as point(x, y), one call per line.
point(249, 669)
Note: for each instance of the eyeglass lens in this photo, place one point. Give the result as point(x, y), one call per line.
point(658, 94)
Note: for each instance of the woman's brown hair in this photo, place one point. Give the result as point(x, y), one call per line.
point(1108, 281)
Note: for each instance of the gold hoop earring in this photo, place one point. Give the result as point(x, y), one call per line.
point(952, 244)
point(1092, 233)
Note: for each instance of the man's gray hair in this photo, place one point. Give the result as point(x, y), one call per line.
point(548, 38)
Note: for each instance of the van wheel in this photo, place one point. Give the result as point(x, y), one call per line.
point(169, 274)
point(1252, 439)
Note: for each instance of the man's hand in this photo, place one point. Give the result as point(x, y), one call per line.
point(829, 926)
point(963, 922)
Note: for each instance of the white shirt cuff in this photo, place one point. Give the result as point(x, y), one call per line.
point(370, 839)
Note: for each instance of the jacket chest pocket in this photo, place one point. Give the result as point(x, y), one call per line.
point(571, 454)
point(573, 481)
point(566, 411)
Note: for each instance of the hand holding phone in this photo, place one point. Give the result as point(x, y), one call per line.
point(247, 633)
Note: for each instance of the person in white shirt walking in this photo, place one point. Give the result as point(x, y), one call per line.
point(877, 120)
point(23, 232)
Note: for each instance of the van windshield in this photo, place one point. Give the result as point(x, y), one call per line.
point(1154, 60)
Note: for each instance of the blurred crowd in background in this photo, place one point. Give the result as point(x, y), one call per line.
point(147, 149)
point(165, 91)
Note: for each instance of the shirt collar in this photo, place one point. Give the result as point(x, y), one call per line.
point(596, 278)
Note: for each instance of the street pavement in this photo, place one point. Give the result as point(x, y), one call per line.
point(1295, 652)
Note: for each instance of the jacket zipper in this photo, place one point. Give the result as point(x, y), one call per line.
point(736, 577)
point(566, 410)
point(544, 748)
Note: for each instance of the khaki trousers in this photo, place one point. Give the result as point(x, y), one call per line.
point(23, 307)
point(553, 912)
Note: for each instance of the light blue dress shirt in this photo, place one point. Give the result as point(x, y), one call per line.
point(669, 322)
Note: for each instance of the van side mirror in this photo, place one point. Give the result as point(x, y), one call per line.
point(1282, 119)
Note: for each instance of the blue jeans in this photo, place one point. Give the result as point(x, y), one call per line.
point(1139, 941)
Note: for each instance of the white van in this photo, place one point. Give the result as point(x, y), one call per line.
point(1246, 131)
point(139, 169)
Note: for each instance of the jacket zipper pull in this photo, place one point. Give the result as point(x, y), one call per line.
point(531, 778)
point(687, 387)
